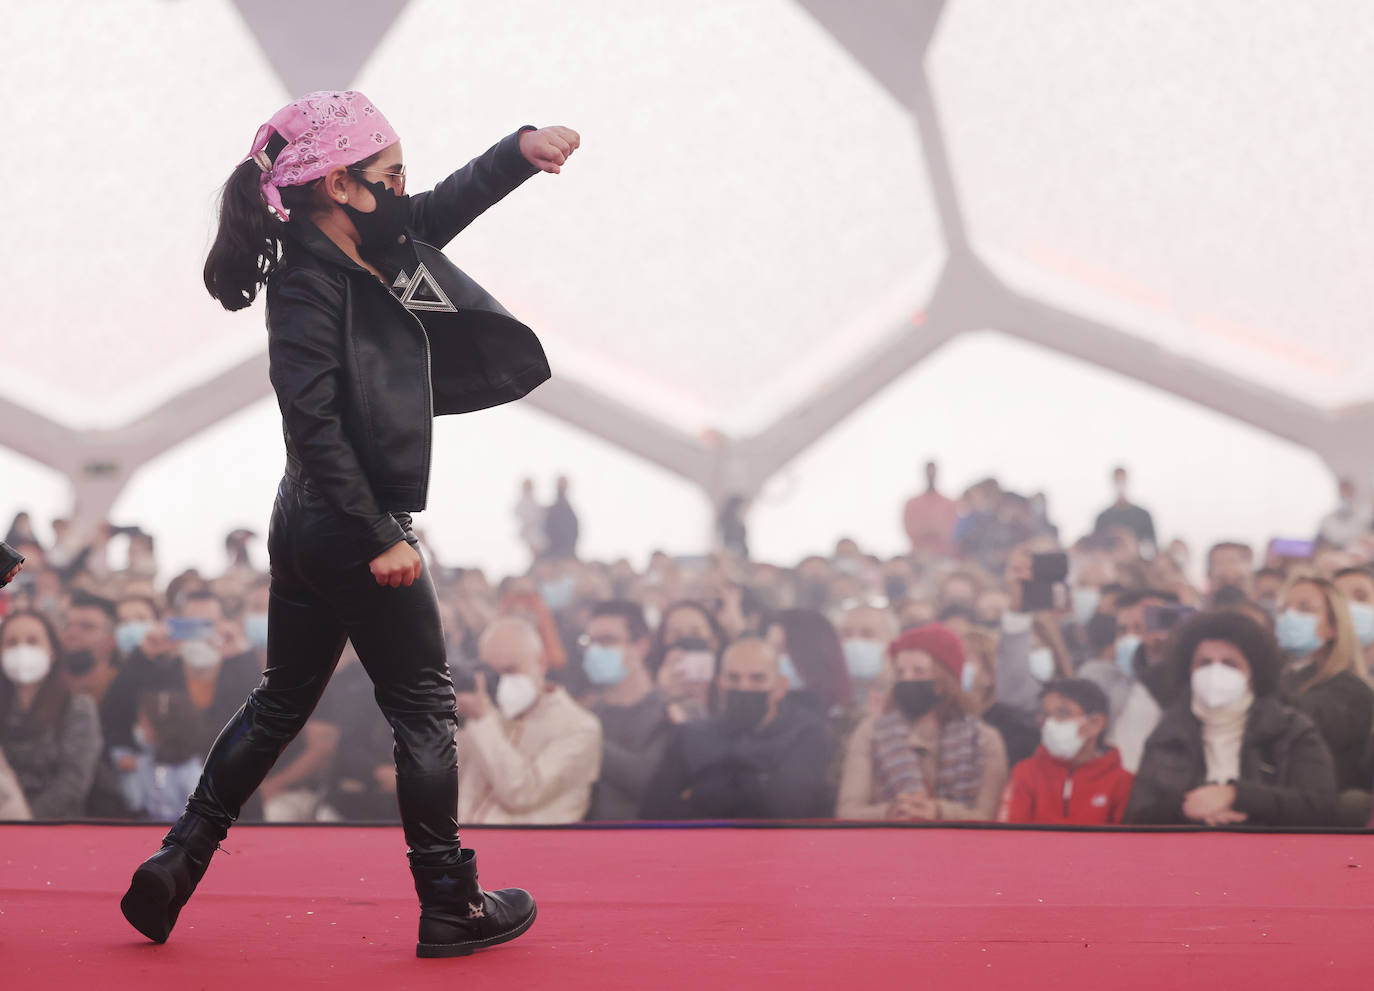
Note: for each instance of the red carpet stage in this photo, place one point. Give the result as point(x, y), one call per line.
point(713, 908)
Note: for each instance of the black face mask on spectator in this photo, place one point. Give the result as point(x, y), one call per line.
point(915, 698)
point(79, 663)
point(743, 710)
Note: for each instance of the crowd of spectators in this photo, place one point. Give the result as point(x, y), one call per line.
point(995, 672)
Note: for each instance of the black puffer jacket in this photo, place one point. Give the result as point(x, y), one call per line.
point(1286, 775)
point(1342, 709)
point(361, 368)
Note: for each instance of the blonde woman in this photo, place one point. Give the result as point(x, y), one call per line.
point(926, 757)
point(1325, 675)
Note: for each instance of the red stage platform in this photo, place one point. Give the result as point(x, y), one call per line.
point(713, 908)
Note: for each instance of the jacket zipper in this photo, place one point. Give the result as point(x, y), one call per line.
point(429, 395)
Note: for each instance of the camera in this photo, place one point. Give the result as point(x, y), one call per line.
point(1048, 573)
point(9, 560)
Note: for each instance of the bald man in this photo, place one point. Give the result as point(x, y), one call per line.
point(756, 759)
point(531, 754)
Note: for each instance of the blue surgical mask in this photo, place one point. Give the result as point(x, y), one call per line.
point(1362, 615)
point(128, 636)
point(864, 658)
point(1126, 649)
point(1085, 603)
point(604, 665)
point(255, 629)
point(557, 594)
point(789, 669)
point(1297, 632)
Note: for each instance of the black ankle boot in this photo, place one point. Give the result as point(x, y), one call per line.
point(163, 883)
point(457, 916)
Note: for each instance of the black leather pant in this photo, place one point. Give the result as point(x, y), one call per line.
point(322, 595)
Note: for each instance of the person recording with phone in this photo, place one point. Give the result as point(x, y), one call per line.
point(1146, 618)
point(682, 659)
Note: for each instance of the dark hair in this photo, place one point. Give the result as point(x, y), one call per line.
point(957, 611)
point(86, 600)
point(1088, 696)
point(204, 595)
point(817, 654)
point(50, 704)
point(147, 600)
point(1228, 545)
point(247, 248)
point(658, 649)
point(1278, 573)
point(1228, 595)
point(176, 721)
point(1362, 572)
point(631, 612)
point(1135, 596)
point(1258, 645)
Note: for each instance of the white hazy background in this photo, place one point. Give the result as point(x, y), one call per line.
point(748, 209)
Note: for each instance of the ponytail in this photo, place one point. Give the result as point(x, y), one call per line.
point(247, 247)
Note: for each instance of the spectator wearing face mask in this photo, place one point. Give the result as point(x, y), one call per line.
point(757, 759)
point(50, 736)
point(1357, 585)
point(1325, 676)
point(1020, 733)
point(926, 757)
point(1031, 651)
point(1142, 656)
point(1230, 565)
point(1229, 751)
point(533, 755)
point(682, 659)
point(865, 631)
point(166, 761)
point(635, 727)
point(1072, 779)
point(88, 646)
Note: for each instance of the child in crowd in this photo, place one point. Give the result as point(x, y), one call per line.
point(1071, 779)
point(165, 762)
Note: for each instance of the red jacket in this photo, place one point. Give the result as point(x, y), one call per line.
point(1051, 792)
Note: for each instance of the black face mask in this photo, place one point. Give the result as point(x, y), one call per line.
point(915, 698)
point(384, 226)
point(79, 663)
point(743, 710)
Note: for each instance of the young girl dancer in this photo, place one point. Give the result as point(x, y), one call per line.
point(372, 333)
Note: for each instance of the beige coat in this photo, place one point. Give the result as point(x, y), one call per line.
point(539, 768)
point(859, 797)
point(12, 804)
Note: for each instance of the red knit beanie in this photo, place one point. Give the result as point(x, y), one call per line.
point(937, 640)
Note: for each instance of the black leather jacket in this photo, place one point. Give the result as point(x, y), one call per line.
point(361, 370)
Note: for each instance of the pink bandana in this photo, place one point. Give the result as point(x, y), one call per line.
point(324, 131)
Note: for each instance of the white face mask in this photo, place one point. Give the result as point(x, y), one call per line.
point(1042, 664)
point(968, 678)
point(26, 664)
point(1062, 738)
point(1217, 686)
point(515, 694)
point(199, 655)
